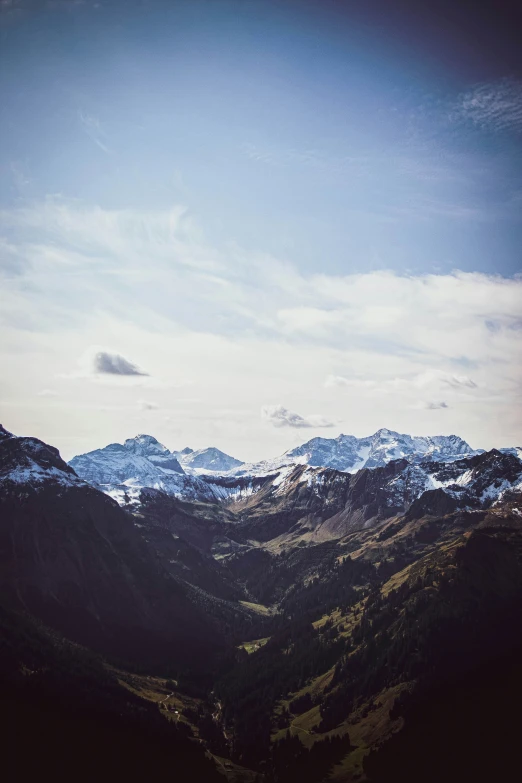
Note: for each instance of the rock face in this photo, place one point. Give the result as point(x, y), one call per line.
point(70, 556)
point(208, 460)
point(317, 504)
point(210, 475)
point(350, 454)
point(148, 447)
point(123, 470)
point(29, 462)
point(142, 457)
point(320, 494)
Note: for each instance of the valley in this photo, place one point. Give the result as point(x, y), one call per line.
point(279, 626)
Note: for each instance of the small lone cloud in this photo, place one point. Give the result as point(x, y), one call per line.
point(47, 393)
point(114, 364)
point(279, 416)
point(434, 406)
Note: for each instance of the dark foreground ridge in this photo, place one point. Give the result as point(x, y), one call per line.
point(323, 626)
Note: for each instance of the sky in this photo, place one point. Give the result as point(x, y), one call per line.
point(245, 224)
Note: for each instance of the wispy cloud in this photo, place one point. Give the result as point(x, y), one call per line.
point(312, 158)
point(279, 416)
point(94, 130)
point(429, 380)
point(245, 327)
point(435, 406)
point(459, 381)
point(494, 106)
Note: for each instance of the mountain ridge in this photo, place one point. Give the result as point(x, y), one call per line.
point(123, 470)
point(314, 600)
point(71, 556)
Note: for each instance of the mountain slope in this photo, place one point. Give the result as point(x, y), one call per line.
point(210, 460)
point(409, 629)
point(123, 470)
point(70, 556)
point(307, 504)
point(382, 587)
point(350, 454)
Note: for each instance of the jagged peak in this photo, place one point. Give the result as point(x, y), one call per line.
point(145, 442)
point(385, 431)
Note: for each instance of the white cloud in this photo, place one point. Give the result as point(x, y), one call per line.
point(434, 406)
point(241, 329)
point(279, 416)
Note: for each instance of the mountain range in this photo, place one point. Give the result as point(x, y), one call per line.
point(299, 620)
point(346, 453)
point(123, 470)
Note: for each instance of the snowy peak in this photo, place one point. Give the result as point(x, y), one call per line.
point(208, 460)
point(145, 445)
point(337, 453)
point(350, 502)
point(349, 454)
point(30, 462)
point(141, 460)
point(123, 470)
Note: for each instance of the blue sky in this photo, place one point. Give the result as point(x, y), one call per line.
point(251, 200)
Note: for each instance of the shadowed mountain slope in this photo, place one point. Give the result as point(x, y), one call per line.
point(72, 557)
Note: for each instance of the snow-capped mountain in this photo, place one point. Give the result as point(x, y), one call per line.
point(209, 460)
point(434, 476)
point(472, 482)
point(28, 463)
point(304, 503)
point(123, 470)
point(141, 457)
point(148, 447)
point(72, 558)
point(350, 454)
